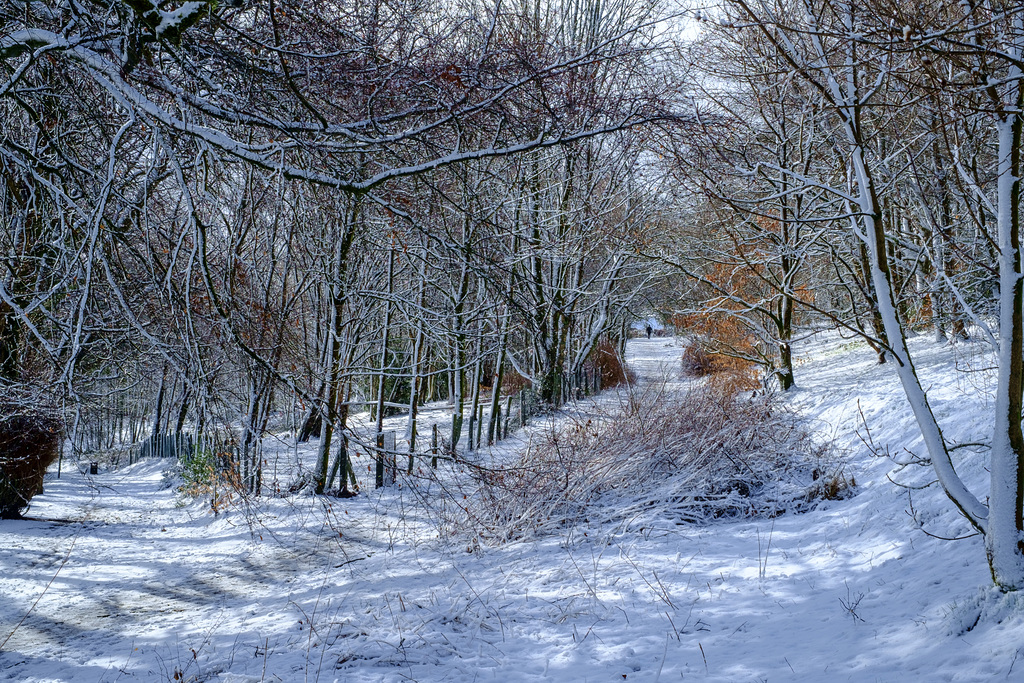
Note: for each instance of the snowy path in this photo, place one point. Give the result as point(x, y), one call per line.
point(141, 587)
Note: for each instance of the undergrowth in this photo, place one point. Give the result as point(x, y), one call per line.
point(205, 474)
point(692, 456)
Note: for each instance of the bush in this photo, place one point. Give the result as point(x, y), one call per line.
point(29, 443)
point(512, 383)
point(207, 473)
point(697, 361)
point(606, 362)
point(691, 457)
point(733, 374)
point(198, 472)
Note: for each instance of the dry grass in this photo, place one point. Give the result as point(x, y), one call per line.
point(693, 457)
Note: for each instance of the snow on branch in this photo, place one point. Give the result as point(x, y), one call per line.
point(170, 25)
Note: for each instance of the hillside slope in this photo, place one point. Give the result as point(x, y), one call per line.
point(134, 583)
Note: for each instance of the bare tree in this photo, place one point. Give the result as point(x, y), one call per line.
point(848, 54)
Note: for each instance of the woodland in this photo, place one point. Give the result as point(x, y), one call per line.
point(225, 220)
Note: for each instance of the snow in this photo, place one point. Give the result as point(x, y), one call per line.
point(172, 22)
point(141, 584)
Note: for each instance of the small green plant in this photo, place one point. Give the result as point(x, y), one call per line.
point(198, 472)
point(207, 473)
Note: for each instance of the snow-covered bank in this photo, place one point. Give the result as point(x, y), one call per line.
point(142, 587)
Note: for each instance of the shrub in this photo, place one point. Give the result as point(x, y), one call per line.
point(207, 473)
point(606, 362)
point(29, 443)
point(198, 471)
point(512, 383)
point(697, 361)
point(692, 457)
point(707, 358)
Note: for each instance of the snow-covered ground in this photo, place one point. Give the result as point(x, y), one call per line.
point(134, 583)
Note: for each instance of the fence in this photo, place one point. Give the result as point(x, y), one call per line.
point(164, 446)
point(518, 409)
point(387, 459)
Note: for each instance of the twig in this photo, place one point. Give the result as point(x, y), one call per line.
point(664, 656)
point(763, 567)
point(920, 525)
point(850, 604)
point(266, 647)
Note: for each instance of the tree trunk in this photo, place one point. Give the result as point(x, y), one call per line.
point(338, 293)
point(1004, 542)
point(493, 427)
point(382, 375)
point(417, 360)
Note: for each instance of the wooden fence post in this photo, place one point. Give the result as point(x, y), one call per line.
point(456, 430)
point(379, 461)
point(479, 425)
point(390, 456)
point(433, 445)
point(508, 414)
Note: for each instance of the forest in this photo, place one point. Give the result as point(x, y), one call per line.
point(390, 235)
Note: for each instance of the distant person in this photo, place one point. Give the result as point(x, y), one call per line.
point(649, 330)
